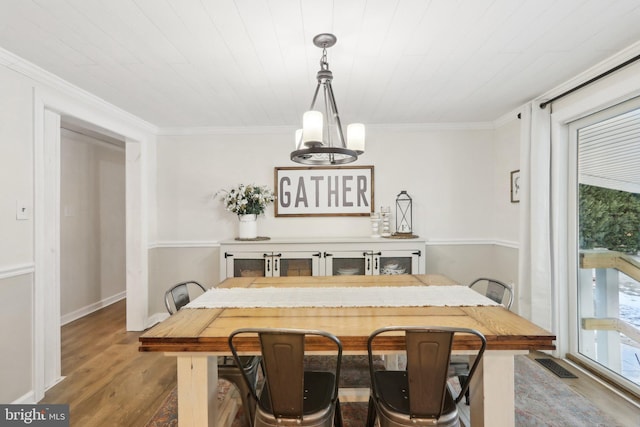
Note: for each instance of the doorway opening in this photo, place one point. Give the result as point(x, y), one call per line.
point(49, 109)
point(92, 221)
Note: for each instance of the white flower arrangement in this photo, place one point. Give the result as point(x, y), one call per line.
point(247, 199)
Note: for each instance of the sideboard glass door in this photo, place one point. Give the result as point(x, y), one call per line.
point(247, 264)
point(399, 262)
point(347, 263)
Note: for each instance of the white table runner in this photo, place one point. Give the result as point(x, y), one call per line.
point(379, 296)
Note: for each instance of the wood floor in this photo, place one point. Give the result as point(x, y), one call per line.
point(109, 383)
point(624, 410)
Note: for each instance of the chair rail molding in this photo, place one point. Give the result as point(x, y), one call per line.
point(472, 242)
point(16, 270)
point(184, 244)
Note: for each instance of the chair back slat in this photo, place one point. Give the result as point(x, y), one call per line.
point(419, 395)
point(283, 360)
point(427, 362)
point(180, 296)
point(291, 394)
point(495, 290)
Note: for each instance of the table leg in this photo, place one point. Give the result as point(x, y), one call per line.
point(197, 390)
point(492, 391)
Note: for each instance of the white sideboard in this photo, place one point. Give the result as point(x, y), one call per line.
point(321, 257)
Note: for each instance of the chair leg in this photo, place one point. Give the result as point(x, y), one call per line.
point(337, 418)
point(248, 404)
point(462, 379)
point(371, 413)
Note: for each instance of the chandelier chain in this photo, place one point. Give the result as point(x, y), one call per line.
point(324, 63)
point(325, 142)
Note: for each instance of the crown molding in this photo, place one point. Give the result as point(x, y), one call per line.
point(274, 130)
point(32, 71)
point(601, 67)
point(225, 130)
point(422, 127)
point(507, 118)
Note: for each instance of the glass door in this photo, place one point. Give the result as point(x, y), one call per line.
point(248, 264)
point(296, 264)
point(348, 263)
point(273, 264)
point(399, 262)
point(608, 241)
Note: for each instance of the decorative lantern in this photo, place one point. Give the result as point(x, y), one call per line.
point(404, 220)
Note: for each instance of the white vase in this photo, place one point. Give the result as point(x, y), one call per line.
point(247, 226)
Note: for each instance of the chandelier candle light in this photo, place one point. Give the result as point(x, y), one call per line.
point(321, 140)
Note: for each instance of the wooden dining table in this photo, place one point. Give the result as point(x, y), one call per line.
point(196, 336)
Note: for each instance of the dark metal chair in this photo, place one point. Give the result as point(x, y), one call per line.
point(419, 395)
point(180, 295)
point(292, 395)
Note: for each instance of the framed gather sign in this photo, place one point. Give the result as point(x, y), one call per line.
point(324, 191)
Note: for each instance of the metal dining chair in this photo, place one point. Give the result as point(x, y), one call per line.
point(290, 394)
point(497, 291)
point(180, 295)
point(420, 394)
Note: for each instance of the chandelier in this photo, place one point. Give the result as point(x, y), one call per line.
point(321, 140)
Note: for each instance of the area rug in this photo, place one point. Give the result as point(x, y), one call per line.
point(541, 399)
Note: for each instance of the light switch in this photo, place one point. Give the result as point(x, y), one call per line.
point(23, 210)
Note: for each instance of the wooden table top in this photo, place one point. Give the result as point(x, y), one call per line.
point(206, 330)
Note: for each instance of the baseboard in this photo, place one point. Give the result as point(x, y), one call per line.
point(75, 315)
point(156, 318)
point(26, 399)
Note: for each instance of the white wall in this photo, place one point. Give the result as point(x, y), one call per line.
point(16, 241)
point(448, 173)
point(506, 158)
point(16, 167)
point(458, 178)
point(92, 224)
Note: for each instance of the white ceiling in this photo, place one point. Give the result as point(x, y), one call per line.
point(191, 63)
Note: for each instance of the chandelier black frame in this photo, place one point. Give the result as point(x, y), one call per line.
point(311, 149)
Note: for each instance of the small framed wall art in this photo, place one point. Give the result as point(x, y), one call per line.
point(515, 186)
